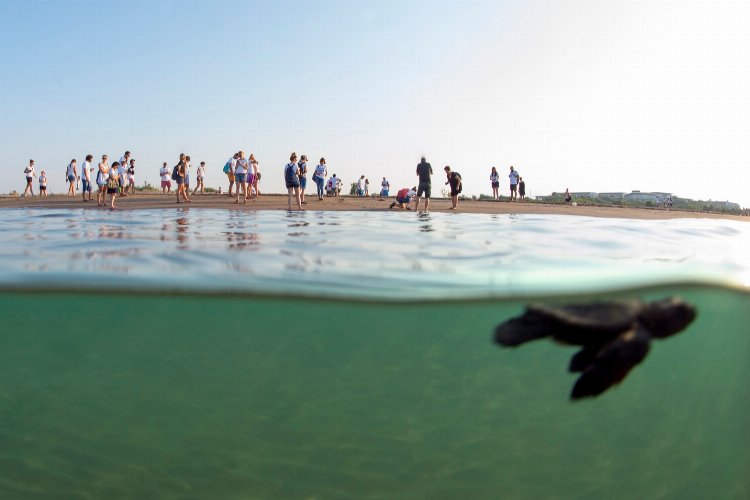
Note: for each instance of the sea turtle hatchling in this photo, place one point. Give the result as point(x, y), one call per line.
point(615, 335)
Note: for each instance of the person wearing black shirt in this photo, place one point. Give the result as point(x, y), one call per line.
point(454, 179)
point(424, 171)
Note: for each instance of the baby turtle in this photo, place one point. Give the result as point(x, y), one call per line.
point(615, 335)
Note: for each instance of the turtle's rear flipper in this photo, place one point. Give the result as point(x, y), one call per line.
point(583, 358)
point(612, 364)
point(522, 329)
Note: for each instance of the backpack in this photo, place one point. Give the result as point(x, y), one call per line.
point(290, 175)
point(175, 172)
point(227, 167)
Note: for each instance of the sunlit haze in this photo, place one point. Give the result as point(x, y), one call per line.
point(597, 95)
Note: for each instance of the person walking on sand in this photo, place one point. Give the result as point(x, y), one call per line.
point(403, 197)
point(29, 173)
point(240, 177)
point(166, 182)
point(319, 177)
point(385, 187)
point(200, 173)
point(188, 167)
point(71, 175)
point(291, 179)
point(521, 189)
point(86, 170)
point(513, 176)
point(495, 181)
point(454, 179)
point(122, 171)
point(424, 172)
point(179, 177)
point(43, 183)
point(113, 184)
point(102, 175)
point(302, 172)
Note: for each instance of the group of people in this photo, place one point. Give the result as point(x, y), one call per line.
point(424, 188)
point(295, 179)
point(517, 185)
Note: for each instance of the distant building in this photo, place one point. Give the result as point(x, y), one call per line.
point(639, 196)
point(612, 196)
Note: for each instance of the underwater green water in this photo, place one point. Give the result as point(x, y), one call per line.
point(153, 396)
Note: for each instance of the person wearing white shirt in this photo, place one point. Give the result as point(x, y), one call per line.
point(240, 176)
point(361, 186)
point(385, 187)
point(229, 169)
point(320, 177)
point(86, 170)
point(166, 181)
point(199, 174)
point(71, 175)
point(29, 173)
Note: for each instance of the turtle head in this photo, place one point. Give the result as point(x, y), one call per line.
point(663, 318)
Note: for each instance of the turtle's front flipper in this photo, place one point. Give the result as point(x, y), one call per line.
point(522, 329)
point(613, 363)
point(583, 358)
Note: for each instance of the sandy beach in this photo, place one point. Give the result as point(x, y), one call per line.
point(353, 203)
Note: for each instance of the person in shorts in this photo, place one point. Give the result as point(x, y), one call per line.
point(199, 177)
point(113, 184)
point(521, 189)
point(302, 172)
point(424, 172)
point(86, 170)
point(166, 182)
point(513, 176)
point(102, 175)
point(495, 181)
point(29, 173)
point(291, 179)
point(131, 176)
point(454, 179)
point(71, 175)
point(43, 183)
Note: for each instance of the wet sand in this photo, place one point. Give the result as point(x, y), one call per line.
point(279, 202)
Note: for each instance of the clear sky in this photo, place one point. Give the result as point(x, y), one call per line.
point(598, 95)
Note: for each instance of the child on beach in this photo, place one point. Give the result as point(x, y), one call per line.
point(302, 166)
point(256, 175)
point(43, 184)
point(29, 173)
point(495, 181)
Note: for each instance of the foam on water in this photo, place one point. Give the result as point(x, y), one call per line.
point(363, 255)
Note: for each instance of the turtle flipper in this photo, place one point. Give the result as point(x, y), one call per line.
point(522, 329)
point(583, 358)
point(613, 363)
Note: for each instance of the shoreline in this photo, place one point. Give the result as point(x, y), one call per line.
point(139, 201)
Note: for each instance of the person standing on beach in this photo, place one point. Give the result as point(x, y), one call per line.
point(252, 168)
point(131, 176)
point(291, 179)
point(495, 181)
point(454, 179)
point(320, 177)
point(361, 186)
point(188, 167)
point(424, 172)
point(521, 189)
point(385, 187)
point(29, 173)
point(513, 176)
point(302, 170)
point(86, 170)
point(240, 177)
point(122, 171)
point(114, 184)
point(229, 168)
point(102, 174)
point(43, 183)
point(199, 177)
point(166, 183)
point(567, 196)
point(256, 174)
point(71, 175)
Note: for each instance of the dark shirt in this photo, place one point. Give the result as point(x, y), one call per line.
point(424, 171)
point(454, 178)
